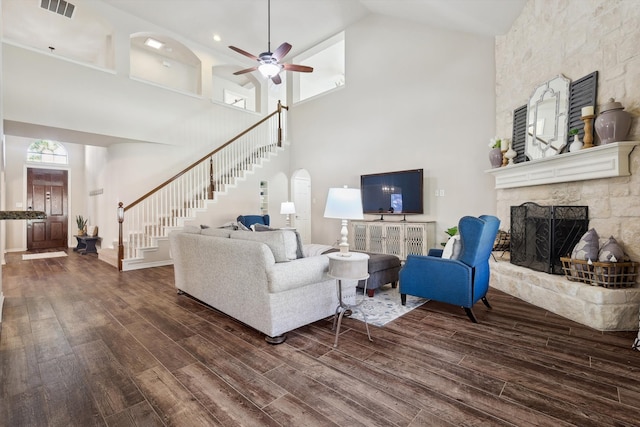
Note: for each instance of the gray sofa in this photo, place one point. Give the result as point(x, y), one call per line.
point(254, 277)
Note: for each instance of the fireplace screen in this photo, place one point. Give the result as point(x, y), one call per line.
point(540, 235)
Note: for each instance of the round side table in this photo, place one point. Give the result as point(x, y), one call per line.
point(353, 266)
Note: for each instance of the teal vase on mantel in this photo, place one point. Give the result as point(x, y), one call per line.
point(495, 157)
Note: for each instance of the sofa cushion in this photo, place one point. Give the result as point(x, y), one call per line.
point(281, 242)
point(191, 229)
point(299, 246)
point(303, 272)
point(216, 232)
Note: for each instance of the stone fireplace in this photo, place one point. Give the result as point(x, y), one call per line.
point(600, 179)
point(536, 49)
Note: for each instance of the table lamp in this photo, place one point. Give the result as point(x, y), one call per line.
point(287, 208)
point(345, 204)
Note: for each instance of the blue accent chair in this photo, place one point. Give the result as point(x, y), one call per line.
point(249, 220)
point(461, 281)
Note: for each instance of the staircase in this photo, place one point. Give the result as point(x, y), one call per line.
point(145, 224)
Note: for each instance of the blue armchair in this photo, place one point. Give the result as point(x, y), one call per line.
point(461, 281)
point(249, 220)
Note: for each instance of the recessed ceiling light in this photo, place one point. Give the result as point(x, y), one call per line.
point(216, 38)
point(153, 43)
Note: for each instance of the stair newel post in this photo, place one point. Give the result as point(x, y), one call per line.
point(212, 187)
point(279, 124)
point(120, 242)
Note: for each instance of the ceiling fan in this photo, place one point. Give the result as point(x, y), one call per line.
point(269, 65)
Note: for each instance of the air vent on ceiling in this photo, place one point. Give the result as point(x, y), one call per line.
point(60, 7)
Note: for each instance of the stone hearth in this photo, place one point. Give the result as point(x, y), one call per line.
point(594, 306)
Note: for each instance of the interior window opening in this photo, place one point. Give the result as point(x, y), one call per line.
point(45, 151)
point(327, 60)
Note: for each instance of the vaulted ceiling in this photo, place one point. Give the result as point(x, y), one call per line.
point(243, 23)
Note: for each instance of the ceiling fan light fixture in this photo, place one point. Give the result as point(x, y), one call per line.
point(269, 69)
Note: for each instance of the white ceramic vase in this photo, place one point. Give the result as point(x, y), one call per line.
point(576, 145)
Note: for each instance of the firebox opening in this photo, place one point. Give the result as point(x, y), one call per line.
point(540, 235)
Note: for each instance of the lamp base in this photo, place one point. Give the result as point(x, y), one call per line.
point(344, 249)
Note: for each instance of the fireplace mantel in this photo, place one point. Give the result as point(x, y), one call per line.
point(602, 161)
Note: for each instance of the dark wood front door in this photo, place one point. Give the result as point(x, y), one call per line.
point(47, 191)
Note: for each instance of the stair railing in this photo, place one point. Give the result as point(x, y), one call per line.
point(151, 215)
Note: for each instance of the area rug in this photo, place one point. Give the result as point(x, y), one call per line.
point(385, 306)
point(43, 255)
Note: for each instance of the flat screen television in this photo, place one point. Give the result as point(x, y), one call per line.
point(395, 193)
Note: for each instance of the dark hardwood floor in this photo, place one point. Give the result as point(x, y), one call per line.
point(82, 344)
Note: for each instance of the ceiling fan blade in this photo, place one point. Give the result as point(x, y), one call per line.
point(299, 68)
point(246, 70)
point(245, 53)
point(281, 51)
point(276, 79)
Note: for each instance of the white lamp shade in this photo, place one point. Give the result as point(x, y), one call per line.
point(287, 208)
point(344, 203)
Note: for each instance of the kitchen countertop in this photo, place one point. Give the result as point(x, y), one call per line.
point(22, 215)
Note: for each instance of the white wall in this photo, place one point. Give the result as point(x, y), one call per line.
point(100, 211)
point(2, 181)
point(415, 98)
point(175, 74)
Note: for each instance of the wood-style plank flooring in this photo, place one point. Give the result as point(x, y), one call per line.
point(82, 345)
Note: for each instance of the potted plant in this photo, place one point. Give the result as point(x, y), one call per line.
point(495, 155)
point(81, 222)
point(450, 232)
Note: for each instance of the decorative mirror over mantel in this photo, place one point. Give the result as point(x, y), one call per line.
point(547, 116)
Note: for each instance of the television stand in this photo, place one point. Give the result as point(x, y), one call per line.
point(400, 238)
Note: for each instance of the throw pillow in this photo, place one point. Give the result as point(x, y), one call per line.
point(229, 226)
point(242, 227)
point(587, 248)
point(299, 251)
point(261, 227)
point(290, 244)
point(611, 251)
point(216, 232)
point(275, 240)
point(452, 248)
point(299, 248)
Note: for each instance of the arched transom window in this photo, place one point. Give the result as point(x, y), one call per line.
point(44, 151)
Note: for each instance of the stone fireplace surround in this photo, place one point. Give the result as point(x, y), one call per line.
point(597, 307)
